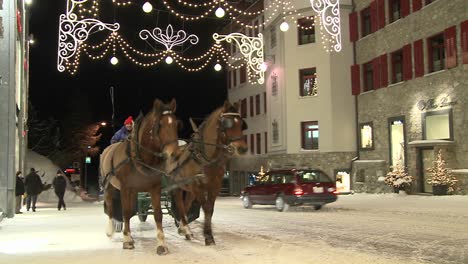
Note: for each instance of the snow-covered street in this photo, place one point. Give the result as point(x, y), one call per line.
point(360, 228)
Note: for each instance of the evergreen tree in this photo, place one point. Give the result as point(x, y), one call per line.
point(440, 175)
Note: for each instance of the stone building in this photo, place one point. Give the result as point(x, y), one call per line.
point(304, 114)
point(410, 76)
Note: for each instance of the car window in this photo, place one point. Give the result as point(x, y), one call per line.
point(313, 176)
point(265, 179)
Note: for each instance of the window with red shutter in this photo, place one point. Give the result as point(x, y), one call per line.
point(381, 7)
point(450, 47)
point(383, 70)
point(368, 76)
point(397, 66)
point(355, 79)
point(464, 41)
point(436, 53)
point(417, 4)
point(418, 58)
point(405, 8)
point(353, 27)
point(394, 10)
point(374, 16)
point(376, 72)
point(366, 22)
point(407, 65)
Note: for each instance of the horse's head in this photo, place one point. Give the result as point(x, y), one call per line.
point(231, 127)
point(167, 126)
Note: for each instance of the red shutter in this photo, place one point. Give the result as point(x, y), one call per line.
point(381, 6)
point(376, 72)
point(450, 47)
point(383, 70)
point(373, 15)
point(417, 4)
point(418, 58)
point(405, 8)
point(353, 27)
point(355, 80)
point(407, 65)
point(464, 41)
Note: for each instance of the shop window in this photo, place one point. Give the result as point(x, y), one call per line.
point(436, 53)
point(366, 22)
point(395, 10)
point(396, 127)
point(305, 30)
point(343, 181)
point(308, 82)
point(438, 125)
point(310, 135)
point(368, 77)
point(366, 134)
point(272, 37)
point(397, 66)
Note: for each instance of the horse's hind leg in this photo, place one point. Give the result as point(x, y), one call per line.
point(128, 201)
point(184, 228)
point(161, 248)
point(208, 208)
point(108, 208)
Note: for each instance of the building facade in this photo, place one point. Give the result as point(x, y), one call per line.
point(13, 98)
point(410, 77)
point(303, 115)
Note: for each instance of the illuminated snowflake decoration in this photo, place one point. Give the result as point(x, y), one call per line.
point(252, 50)
point(169, 38)
point(329, 12)
point(73, 32)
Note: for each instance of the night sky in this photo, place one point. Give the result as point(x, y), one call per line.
point(135, 87)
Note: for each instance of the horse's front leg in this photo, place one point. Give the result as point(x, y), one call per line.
point(108, 194)
point(208, 208)
point(184, 228)
point(161, 247)
point(128, 201)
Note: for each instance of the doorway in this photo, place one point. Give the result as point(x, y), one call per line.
point(427, 158)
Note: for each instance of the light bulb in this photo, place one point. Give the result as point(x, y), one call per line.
point(147, 7)
point(217, 67)
point(114, 61)
point(284, 26)
point(263, 67)
point(28, 2)
point(169, 60)
point(220, 12)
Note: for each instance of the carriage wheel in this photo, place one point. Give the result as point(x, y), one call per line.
point(142, 217)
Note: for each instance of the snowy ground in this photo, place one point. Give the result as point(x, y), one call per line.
point(360, 228)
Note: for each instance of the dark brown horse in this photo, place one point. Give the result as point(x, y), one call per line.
point(138, 165)
point(213, 143)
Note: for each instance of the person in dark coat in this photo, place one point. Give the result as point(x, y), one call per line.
point(19, 191)
point(34, 186)
point(60, 185)
point(123, 133)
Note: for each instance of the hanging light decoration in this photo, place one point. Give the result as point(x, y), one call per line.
point(169, 60)
point(329, 12)
point(284, 26)
point(263, 67)
point(147, 7)
point(114, 60)
point(220, 12)
point(217, 67)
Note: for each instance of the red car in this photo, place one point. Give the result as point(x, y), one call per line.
point(285, 187)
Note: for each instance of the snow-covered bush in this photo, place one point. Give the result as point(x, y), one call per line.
point(398, 177)
point(440, 175)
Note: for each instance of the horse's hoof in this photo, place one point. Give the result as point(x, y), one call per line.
point(161, 250)
point(188, 237)
point(128, 245)
point(209, 242)
point(180, 232)
point(109, 235)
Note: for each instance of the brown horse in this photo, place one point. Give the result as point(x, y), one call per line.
point(218, 138)
point(138, 165)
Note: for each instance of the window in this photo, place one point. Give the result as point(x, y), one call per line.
point(436, 53)
point(396, 127)
point(243, 74)
point(366, 136)
point(264, 103)
point(251, 106)
point(274, 84)
point(266, 142)
point(257, 104)
point(234, 78)
point(308, 82)
point(272, 37)
point(305, 30)
point(438, 125)
point(366, 22)
point(275, 130)
point(395, 10)
point(429, 1)
point(397, 66)
point(310, 135)
point(244, 108)
point(259, 143)
point(368, 77)
point(252, 144)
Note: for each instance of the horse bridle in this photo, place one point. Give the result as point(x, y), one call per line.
point(229, 123)
point(156, 128)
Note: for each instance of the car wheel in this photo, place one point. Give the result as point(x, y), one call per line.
point(246, 202)
point(281, 204)
point(317, 207)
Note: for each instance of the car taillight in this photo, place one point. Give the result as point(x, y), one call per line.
point(298, 191)
point(332, 190)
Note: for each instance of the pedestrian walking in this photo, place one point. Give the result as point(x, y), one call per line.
point(19, 191)
point(60, 185)
point(33, 186)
